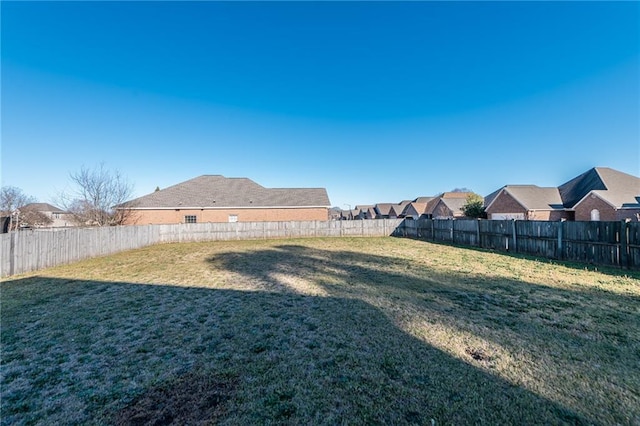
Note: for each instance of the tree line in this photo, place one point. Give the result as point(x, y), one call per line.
point(97, 196)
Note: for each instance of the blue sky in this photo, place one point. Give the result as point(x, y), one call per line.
point(375, 101)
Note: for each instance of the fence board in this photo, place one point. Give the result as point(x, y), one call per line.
point(31, 250)
point(599, 243)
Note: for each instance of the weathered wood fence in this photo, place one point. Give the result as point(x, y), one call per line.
point(27, 251)
point(601, 243)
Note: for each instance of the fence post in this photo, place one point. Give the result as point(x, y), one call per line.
point(478, 233)
point(624, 244)
point(453, 234)
point(12, 253)
point(513, 232)
point(433, 232)
point(559, 247)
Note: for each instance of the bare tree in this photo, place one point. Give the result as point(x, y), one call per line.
point(11, 200)
point(30, 216)
point(96, 194)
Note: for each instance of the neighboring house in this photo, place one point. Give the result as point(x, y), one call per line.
point(365, 212)
point(600, 193)
point(415, 210)
point(59, 218)
point(215, 198)
point(350, 214)
point(525, 202)
point(396, 209)
point(335, 213)
point(382, 210)
point(447, 205)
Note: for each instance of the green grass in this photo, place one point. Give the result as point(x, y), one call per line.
point(320, 331)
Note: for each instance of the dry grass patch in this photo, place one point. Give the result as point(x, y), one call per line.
point(320, 331)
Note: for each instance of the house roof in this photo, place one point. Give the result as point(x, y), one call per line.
point(531, 197)
point(462, 195)
point(419, 208)
point(383, 209)
point(216, 191)
point(617, 188)
point(454, 204)
point(423, 199)
point(399, 208)
point(450, 197)
point(42, 207)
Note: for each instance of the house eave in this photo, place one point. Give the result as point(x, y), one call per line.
point(220, 208)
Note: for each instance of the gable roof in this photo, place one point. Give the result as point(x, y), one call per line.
point(423, 199)
point(42, 207)
point(575, 189)
point(451, 198)
point(397, 209)
point(216, 191)
point(383, 209)
point(454, 204)
point(530, 197)
point(417, 207)
point(617, 188)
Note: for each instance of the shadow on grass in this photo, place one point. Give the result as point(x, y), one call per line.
point(583, 342)
point(115, 352)
point(615, 271)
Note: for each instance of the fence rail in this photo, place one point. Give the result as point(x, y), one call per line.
point(27, 251)
point(601, 243)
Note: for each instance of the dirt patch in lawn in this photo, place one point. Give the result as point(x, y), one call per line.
point(195, 398)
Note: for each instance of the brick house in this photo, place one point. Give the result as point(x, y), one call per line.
point(382, 210)
point(415, 210)
point(396, 209)
point(215, 198)
point(600, 193)
point(525, 202)
point(447, 205)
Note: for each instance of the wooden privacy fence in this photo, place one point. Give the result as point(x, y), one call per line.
point(27, 251)
point(601, 243)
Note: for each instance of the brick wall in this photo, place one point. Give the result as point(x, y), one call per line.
point(551, 215)
point(591, 202)
point(505, 203)
point(146, 217)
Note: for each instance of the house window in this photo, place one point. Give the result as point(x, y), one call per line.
point(233, 218)
point(595, 214)
point(190, 219)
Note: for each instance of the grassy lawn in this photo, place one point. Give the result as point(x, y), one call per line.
point(320, 331)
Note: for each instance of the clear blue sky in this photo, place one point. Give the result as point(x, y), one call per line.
point(375, 101)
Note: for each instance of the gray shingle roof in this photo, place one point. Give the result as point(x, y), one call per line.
point(533, 197)
point(383, 209)
point(423, 199)
point(618, 188)
point(211, 191)
point(42, 207)
point(417, 207)
point(454, 204)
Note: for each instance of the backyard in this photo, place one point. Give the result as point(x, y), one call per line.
point(320, 331)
